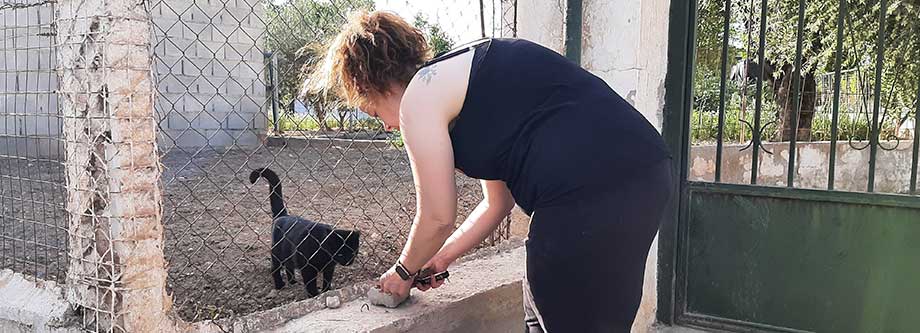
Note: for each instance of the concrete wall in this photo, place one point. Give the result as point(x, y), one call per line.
point(625, 43)
point(210, 70)
point(543, 22)
point(30, 305)
point(852, 166)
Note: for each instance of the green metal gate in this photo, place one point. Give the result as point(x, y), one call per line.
point(751, 249)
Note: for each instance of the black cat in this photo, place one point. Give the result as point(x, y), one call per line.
point(301, 244)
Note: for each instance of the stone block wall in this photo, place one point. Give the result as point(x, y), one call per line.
point(209, 68)
point(30, 124)
point(211, 73)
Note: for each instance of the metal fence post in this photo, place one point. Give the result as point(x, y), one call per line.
point(573, 27)
point(272, 62)
point(117, 272)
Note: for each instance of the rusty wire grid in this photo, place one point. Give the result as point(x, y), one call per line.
point(33, 229)
point(227, 75)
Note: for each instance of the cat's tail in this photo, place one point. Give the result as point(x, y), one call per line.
point(274, 187)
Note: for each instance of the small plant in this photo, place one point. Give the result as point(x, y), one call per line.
point(309, 123)
point(396, 140)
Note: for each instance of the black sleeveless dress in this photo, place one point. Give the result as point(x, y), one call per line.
point(590, 170)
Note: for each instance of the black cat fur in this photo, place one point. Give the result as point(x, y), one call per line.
point(301, 244)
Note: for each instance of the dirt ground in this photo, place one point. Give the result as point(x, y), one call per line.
point(217, 225)
point(33, 224)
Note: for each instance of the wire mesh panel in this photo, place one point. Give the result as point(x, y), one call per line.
point(33, 228)
point(229, 72)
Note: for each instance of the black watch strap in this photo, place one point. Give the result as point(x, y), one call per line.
point(403, 272)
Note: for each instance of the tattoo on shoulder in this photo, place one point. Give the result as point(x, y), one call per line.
point(426, 73)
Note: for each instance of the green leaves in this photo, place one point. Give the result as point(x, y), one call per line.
point(298, 30)
point(437, 37)
point(901, 68)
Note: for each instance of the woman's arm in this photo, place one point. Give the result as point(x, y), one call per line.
point(432, 164)
point(496, 204)
point(428, 105)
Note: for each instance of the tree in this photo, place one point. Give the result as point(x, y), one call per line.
point(438, 39)
point(819, 41)
point(296, 32)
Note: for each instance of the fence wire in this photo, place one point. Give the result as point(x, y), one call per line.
point(227, 75)
point(33, 229)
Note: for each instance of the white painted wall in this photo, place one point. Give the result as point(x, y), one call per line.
point(625, 43)
point(543, 22)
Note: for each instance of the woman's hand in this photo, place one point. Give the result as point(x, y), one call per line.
point(436, 265)
point(391, 283)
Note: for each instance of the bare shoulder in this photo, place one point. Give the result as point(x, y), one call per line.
point(439, 87)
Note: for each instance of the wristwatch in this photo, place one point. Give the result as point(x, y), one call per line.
point(403, 272)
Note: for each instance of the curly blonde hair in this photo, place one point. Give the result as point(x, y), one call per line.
point(373, 51)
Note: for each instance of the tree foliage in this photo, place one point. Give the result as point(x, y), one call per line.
point(438, 39)
point(860, 41)
point(297, 32)
point(901, 66)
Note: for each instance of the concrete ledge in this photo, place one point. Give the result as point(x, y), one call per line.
point(495, 270)
point(483, 295)
point(31, 305)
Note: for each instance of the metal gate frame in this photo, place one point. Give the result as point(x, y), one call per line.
point(673, 237)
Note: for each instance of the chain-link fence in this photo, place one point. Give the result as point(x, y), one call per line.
point(228, 74)
point(33, 228)
point(225, 75)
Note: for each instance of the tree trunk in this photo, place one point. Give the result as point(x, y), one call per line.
point(786, 106)
point(319, 108)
